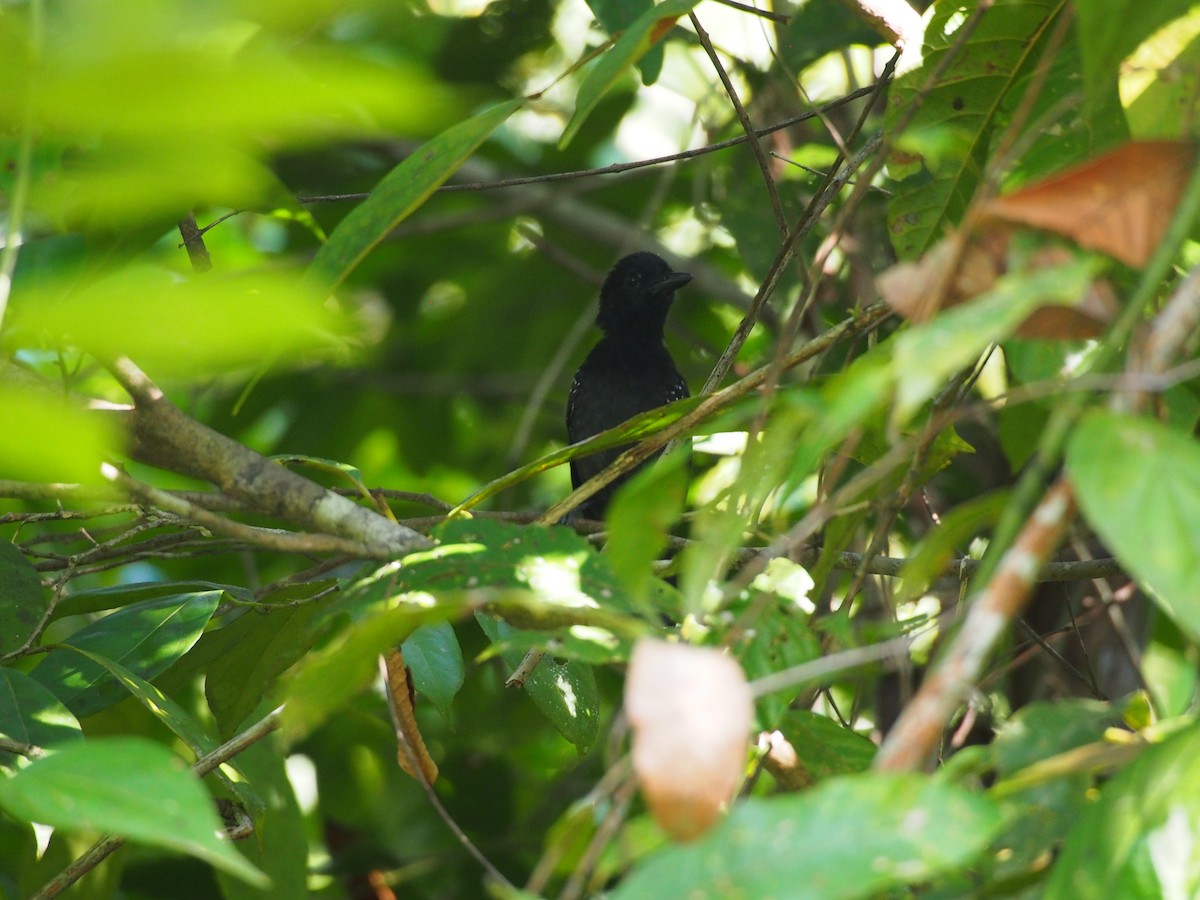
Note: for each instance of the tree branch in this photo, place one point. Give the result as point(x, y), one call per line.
point(162, 435)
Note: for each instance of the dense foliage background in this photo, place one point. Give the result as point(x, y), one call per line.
point(287, 288)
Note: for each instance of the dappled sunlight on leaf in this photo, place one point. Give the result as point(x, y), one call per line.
point(200, 96)
point(47, 438)
point(182, 325)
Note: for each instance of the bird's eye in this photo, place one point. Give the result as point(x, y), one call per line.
point(633, 279)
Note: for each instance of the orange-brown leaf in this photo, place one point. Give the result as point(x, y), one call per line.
point(1119, 203)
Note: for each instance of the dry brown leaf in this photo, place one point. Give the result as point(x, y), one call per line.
point(1119, 203)
point(408, 736)
point(1086, 319)
point(690, 709)
point(917, 290)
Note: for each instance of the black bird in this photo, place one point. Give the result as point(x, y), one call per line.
point(629, 371)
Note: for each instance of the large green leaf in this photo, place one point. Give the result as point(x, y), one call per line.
point(565, 691)
point(187, 326)
point(1140, 838)
point(960, 114)
point(145, 639)
point(22, 600)
point(1109, 30)
point(94, 600)
point(433, 656)
point(118, 86)
point(1164, 78)
point(49, 439)
point(850, 836)
point(1138, 484)
point(555, 566)
point(181, 723)
point(927, 355)
point(404, 189)
point(255, 650)
point(823, 747)
point(30, 714)
point(125, 786)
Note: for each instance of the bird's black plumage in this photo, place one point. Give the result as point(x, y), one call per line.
point(629, 371)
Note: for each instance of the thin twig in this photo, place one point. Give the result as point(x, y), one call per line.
point(615, 168)
point(760, 156)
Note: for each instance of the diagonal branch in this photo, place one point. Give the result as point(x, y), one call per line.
point(163, 435)
point(764, 163)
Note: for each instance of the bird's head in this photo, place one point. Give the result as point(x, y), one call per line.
point(637, 295)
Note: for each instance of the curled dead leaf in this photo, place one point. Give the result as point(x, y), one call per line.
point(691, 710)
point(411, 752)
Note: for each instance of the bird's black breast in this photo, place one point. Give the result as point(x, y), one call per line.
point(616, 381)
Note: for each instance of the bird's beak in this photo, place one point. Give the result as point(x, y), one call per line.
point(672, 282)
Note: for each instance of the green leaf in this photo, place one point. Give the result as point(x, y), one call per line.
point(180, 722)
point(824, 747)
point(184, 325)
point(851, 836)
point(615, 16)
point(129, 787)
point(255, 650)
point(145, 638)
point(404, 189)
point(631, 46)
point(1164, 76)
point(1138, 484)
point(433, 656)
point(565, 692)
point(22, 600)
point(1041, 730)
point(1139, 839)
point(149, 139)
point(640, 520)
point(30, 714)
point(325, 681)
point(927, 355)
point(937, 548)
point(50, 440)
point(964, 109)
point(780, 635)
point(556, 565)
point(816, 29)
point(1110, 30)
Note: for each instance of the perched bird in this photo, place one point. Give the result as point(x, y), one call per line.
point(629, 371)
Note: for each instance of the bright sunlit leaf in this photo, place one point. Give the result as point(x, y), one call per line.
point(126, 786)
point(168, 323)
point(1138, 484)
point(48, 438)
